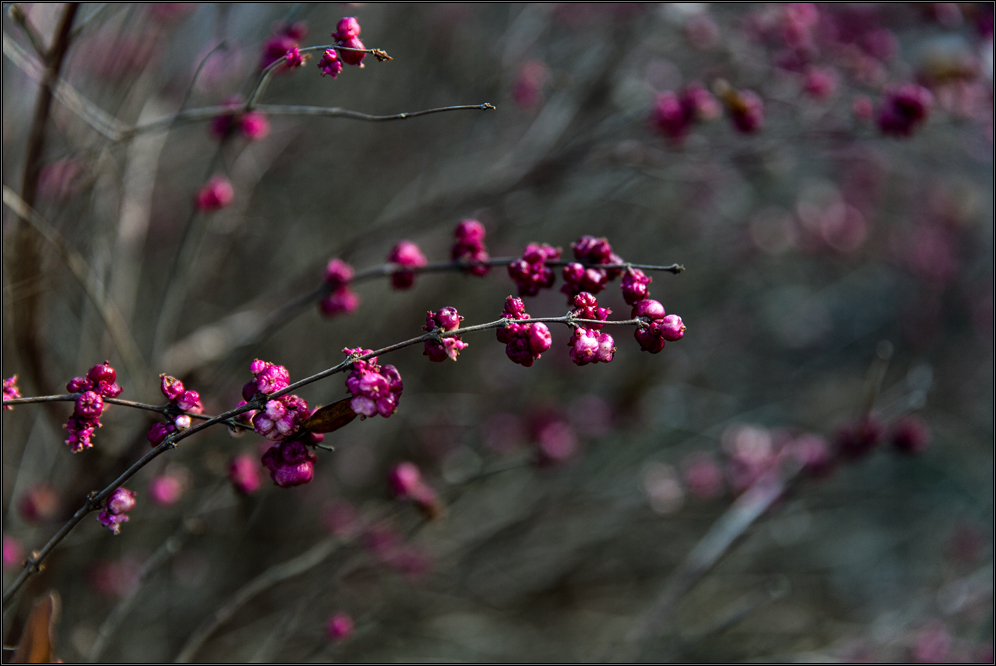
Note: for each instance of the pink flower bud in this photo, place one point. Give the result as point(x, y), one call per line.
point(13, 553)
point(339, 627)
point(10, 390)
point(672, 328)
point(648, 308)
point(190, 401)
point(121, 500)
point(254, 125)
point(606, 348)
point(165, 490)
point(910, 435)
point(405, 478)
point(79, 385)
point(243, 472)
point(352, 57)
point(89, 405)
point(330, 65)
point(341, 301)
point(182, 422)
point(634, 286)
point(338, 273)
point(158, 432)
point(216, 194)
point(102, 372)
point(650, 338)
point(540, 338)
point(347, 28)
point(171, 387)
point(406, 254)
point(584, 346)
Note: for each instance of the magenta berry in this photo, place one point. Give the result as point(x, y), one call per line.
point(341, 301)
point(468, 246)
point(338, 273)
point(13, 553)
point(376, 389)
point(190, 401)
point(283, 42)
point(339, 627)
point(530, 273)
point(634, 286)
point(114, 512)
point(910, 435)
point(352, 57)
point(254, 125)
point(216, 194)
point(746, 111)
point(79, 385)
point(586, 307)
point(10, 391)
point(648, 308)
point(903, 109)
point(858, 439)
point(165, 490)
point(290, 464)
point(524, 343)
point(89, 405)
point(672, 328)
point(584, 346)
point(171, 387)
point(243, 472)
point(404, 479)
point(330, 65)
point(102, 373)
point(407, 255)
point(606, 348)
point(158, 432)
point(347, 28)
point(447, 319)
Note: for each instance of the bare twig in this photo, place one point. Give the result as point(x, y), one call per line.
point(116, 326)
point(21, 19)
point(275, 574)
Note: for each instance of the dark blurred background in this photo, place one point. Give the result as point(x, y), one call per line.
point(810, 245)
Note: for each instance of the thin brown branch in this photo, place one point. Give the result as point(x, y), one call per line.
point(22, 21)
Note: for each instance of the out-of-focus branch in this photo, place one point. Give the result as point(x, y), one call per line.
point(22, 21)
point(275, 574)
point(108, 311)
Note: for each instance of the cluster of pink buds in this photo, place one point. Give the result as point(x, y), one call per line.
point(407, 255)
point(342, 300)
point(469, 247)
point(524, 343)
point(283, 42)
point(183, 401)
point(407, 484)
point(251, 124)
point(587, 345)
point(674, 114)
point(115, 511)
point(10, 391)
point(530, 272)
point(330, 65)
point(447, 319)
point(376, 389)
point(659, 326)
point(281, 417)
point(98, 384)
point(214, 195)
point(290, 463)
point(579, 278)
point(903, 109)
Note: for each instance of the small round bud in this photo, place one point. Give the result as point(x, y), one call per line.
point(102, 372)
point(672, 328)
point(347, 28)
point(89, 405)
point(171, 387)
point(339, 627)
point(648, 308)
point(243, 472)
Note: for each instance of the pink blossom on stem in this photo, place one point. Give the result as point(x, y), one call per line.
point(447, 319)
point(634, 285)
point(214, 195)
point(407, 255)
point(524, 343)
point(284, 41)
point(10, 391)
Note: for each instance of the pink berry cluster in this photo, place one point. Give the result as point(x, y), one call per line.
point(468, 246)
point(183, 402)
point(251, 124)
point(674, 113)
point(524, 343)
point(99, 383)
point(658, 326)
point(376, 389)
point(406, 483)
point(115, 511)
point(909, 435)
point(214, 195)
point(405, 254)
point(342, 299)
point(579, 278)
point(280, 418)
point(447, 319)
point(290, 463)
point(10, 391)
point(530, 272)
point(903, 109)
point(347, 34)
point(283, 42)
point(587, 345)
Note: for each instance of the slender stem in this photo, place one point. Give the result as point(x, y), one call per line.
point(164, 409)
point(37, 43)
point(93, 502)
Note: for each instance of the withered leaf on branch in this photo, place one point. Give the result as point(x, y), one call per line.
point(330, 417)
point(36, 641)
